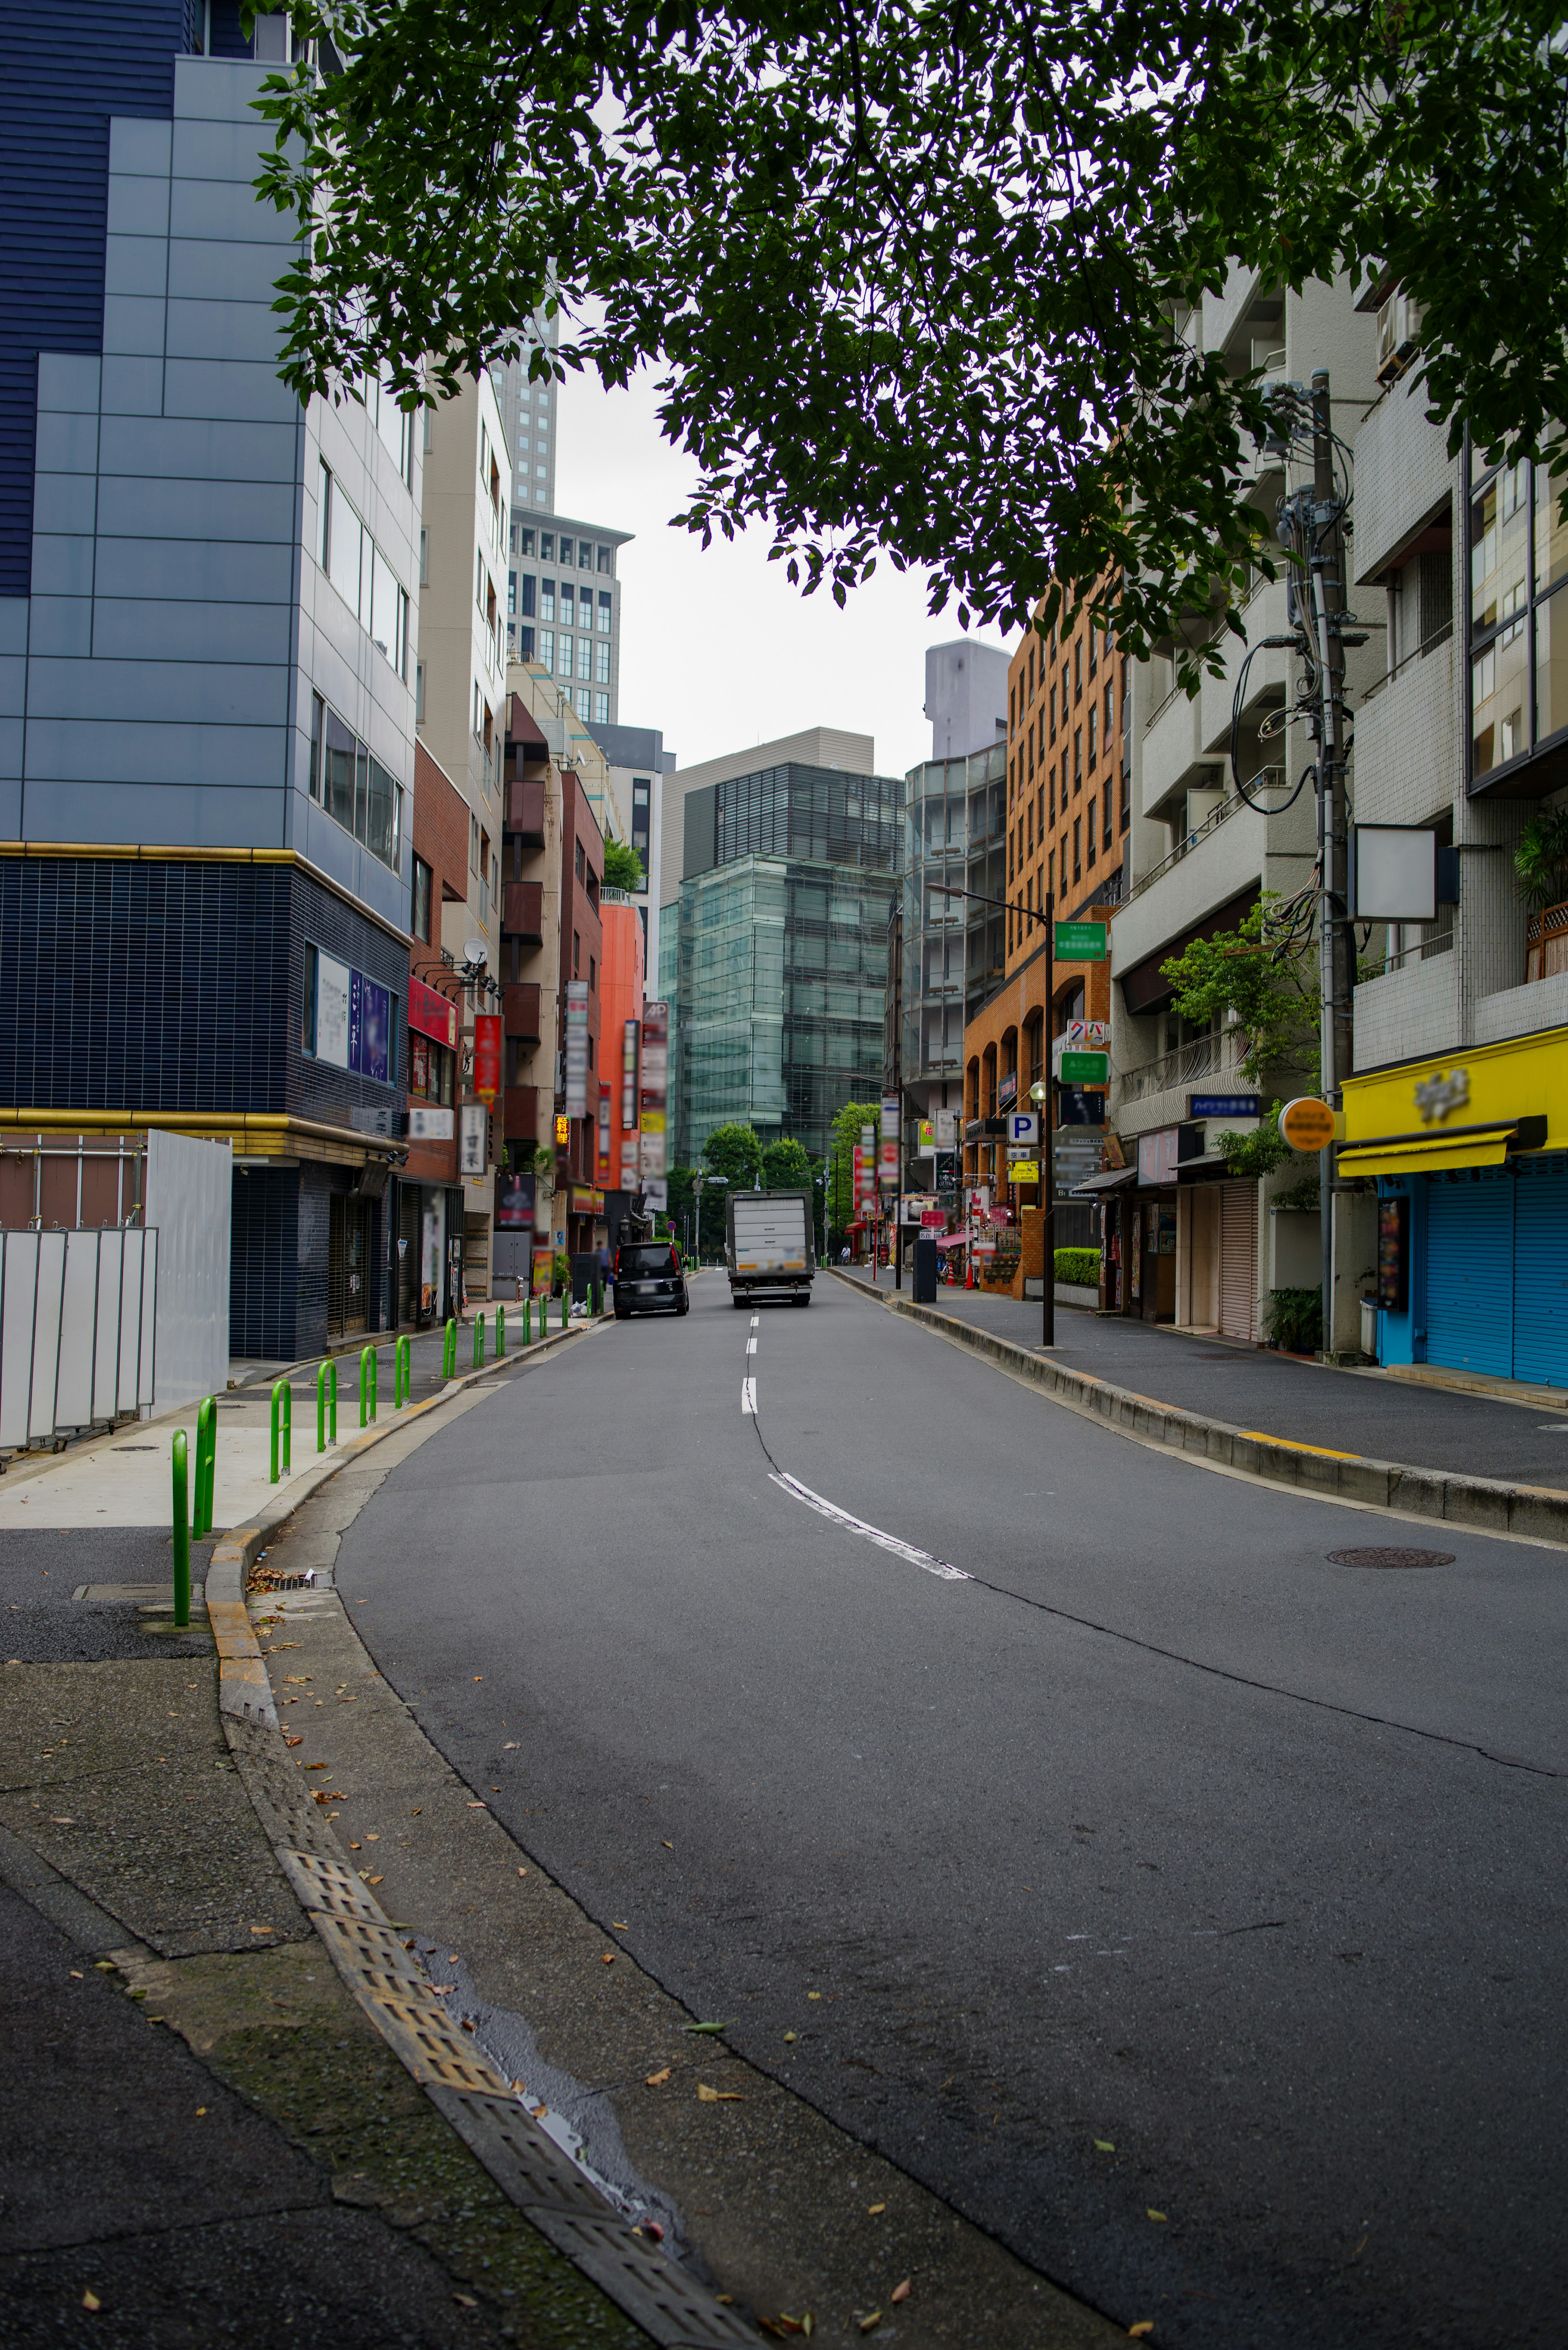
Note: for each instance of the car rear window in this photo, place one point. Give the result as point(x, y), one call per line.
point(645, 1264)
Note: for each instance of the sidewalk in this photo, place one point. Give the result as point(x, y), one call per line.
point(1281, 1396)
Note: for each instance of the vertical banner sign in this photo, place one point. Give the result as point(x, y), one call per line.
point(474, 1135)
point(653, 1089)
point(577, 1048)
point(890, 1153)
point(602, 1174)
point(865, 1164)
point(630, 1038)
point(487, 1056)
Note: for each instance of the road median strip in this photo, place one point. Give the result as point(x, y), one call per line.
point(1485, 1504)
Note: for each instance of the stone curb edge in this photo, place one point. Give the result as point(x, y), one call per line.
point(244, 1690)
point(1485, 1504)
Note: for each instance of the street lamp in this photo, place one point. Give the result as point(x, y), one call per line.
point(1040, 1095)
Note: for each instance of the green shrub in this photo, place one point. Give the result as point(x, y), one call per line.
point(1292, 1319)
point(1079, 1265)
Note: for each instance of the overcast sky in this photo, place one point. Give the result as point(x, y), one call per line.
point(718, 648)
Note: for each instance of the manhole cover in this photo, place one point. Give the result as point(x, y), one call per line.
point(1391, 1558)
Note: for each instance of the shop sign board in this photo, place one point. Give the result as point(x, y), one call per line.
point(946, 1123)
point(1224, 1106)
point(487, 1056)
point(577, 1048)
point(1007, 1091)
point(429, 1123)
point(474, 1133)
point(1307, 1124)
point(431, 1015)
point(653, 1090)
point(1157, 1155)
point(1084, 1068)
point(1022, 1125)
point(889, 1118)
point(1023, 1171)
point(563, 1132)
point(1080, 941)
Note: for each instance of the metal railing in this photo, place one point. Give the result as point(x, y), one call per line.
point(1267, 778)
point(1418, 951)
point(1205, 1057)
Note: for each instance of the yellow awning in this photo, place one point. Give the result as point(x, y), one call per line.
point(1428, 1154)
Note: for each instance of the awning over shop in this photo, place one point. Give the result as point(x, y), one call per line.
point(1428, 1153)
point(1114, 1179)
point(951, 1239)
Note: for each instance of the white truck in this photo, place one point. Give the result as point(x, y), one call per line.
point(768, 1245)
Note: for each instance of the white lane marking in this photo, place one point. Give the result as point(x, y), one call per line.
point(750, 1345)
point(748, 1395)
point(921, 1558)
point(756, 1321)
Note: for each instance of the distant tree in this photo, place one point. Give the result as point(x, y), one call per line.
point(787, 1166)
point(734, 1152)
point(846, 1129)
point(623, 867)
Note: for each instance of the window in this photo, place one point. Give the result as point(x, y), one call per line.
point(568, 604)
point(356, 790)
point(1051, 781)
point(1110, 716)
point(1053, 714)
point(419, 693)
point(607, 557)
point(317, 732)
point(1078, 670)
point(585, 554)
point(1077, 847)
point(592, 974)
point(525, 644)
point(525, 543)
point(421, 923)
point(577, 948)
point(1094, 637)
point(1031, 826)
point(1107, 836)
point(512, 595)
point(1091, 827)
point(547, 547)
point(362, 574)
point(424, 558)
point(1030, 741)
point(430, 1068)
point(474, 844)
point(546, 648)
point(585, 657)
point(1012, 709)
point(579, 862)
point(479, 582)
point(1078, 759)
point(1030, 673)
point(606, 608)
point(529, 585)
point(564, 663)
point(1094, 730)
point(601, 710)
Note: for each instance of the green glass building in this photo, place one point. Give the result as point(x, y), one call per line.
point(777, 955)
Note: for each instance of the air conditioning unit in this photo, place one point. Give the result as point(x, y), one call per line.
point(1398, 334)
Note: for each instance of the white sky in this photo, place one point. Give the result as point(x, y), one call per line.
point(718, 648)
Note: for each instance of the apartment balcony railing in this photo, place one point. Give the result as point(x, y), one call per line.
point(520, 1009)
point(526, 808)
point(1267, 779)
point(1188, 1065)
point(1547, 942)
point(520, 1113)
point(523, 909)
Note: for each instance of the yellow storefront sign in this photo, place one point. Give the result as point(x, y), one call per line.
point(1468, 1108)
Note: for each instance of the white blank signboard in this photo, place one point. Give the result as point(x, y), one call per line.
point(1396, 874)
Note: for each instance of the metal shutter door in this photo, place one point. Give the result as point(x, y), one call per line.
point(1541, 1274)
point(1469, 1274)
point(1239, 1260)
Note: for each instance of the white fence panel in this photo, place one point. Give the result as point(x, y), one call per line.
point(79, 1332)
point(47, 1305)
point(190, 1203)
point(146, 1356)
point(78, 1325)
point(106, 1325)
point(18, 1287)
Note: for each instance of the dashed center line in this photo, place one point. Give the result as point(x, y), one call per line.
point(748, 1395)
point(750, 1345)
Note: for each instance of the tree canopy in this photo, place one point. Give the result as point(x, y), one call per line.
point(733, 1152)
point(916, 275)
point(787, 1166)
point(623, 867)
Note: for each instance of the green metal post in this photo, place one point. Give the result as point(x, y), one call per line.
point(282, 1417)
point(478, 1340)
point(527, 1321)
point(181, 1535)
point(449, 1353)
point(206, 1467)
point(500, 1332)
point(402, 1373)
point(366, 1386)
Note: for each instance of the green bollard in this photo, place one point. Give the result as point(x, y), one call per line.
point(449, 1353)
point(181, 1535)
point(325, 1388)
point(283, 1416)
point(206, 1467)
point(478, 1340)
point(500, 1332)
point(367, 1385)
point(402, 1373)
point(527, 1321)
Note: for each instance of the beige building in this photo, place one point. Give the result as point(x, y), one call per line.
point(460, 689)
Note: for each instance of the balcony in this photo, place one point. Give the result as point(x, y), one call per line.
point(520, 1114)
point(520, 1010)
point(523, 911)
point(1178, 1072)
point(525, 813)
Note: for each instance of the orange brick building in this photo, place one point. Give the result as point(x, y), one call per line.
point(1068, 814)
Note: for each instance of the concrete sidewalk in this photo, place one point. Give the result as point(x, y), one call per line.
point(1282, 1395)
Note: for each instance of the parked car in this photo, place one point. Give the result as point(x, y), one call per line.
point(648, 1280)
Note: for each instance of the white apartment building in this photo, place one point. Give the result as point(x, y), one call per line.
point(1183, 1243)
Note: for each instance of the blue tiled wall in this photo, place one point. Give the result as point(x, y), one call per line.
point(265, 1276)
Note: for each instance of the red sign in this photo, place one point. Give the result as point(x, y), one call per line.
point(487, 1056)
point(431, 1014)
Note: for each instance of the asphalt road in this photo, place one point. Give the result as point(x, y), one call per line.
point(1184, 1906)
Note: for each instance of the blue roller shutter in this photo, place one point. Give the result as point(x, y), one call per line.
point(1470, 1274)
point(1540, 1273)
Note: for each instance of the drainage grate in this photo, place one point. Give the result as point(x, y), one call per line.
point(1391, 1558)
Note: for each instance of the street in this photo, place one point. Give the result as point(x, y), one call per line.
point(1181, 1906)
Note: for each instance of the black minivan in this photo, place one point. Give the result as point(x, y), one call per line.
point(648, 1280)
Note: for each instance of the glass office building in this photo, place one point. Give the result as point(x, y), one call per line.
point(955, 948)
point(781, 960)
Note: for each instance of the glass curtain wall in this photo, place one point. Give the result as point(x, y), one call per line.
point(955, 839)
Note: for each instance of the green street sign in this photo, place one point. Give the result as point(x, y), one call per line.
point(1080, 941)
point(1084, 1068)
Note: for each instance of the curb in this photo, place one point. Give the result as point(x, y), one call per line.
point(1487, 1504)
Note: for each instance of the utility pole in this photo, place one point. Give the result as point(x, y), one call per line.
point(1325, 627)
point(898, 961)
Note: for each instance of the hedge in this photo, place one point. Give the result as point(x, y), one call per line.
point(1080, 1267)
